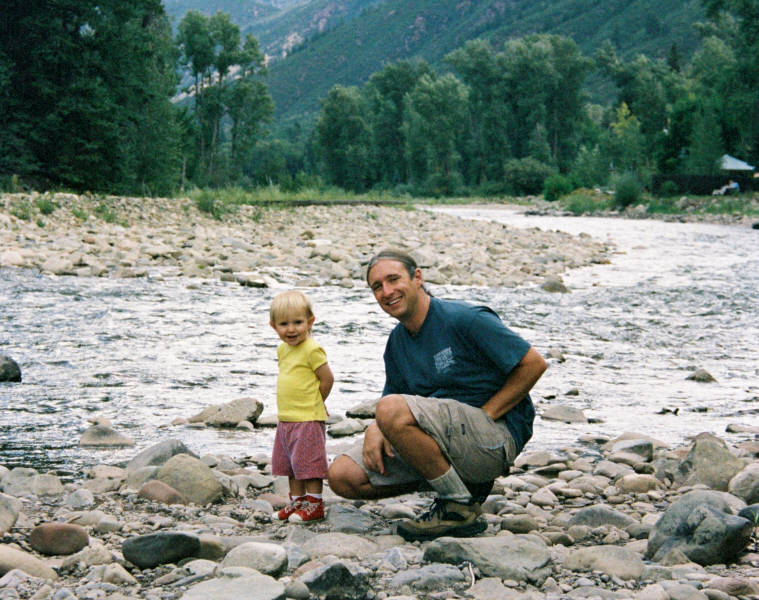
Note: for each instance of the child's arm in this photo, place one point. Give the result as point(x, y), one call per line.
point(326, 379)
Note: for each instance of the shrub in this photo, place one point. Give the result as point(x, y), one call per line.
point(557, 186)
point(45, 205)
point(669, 188)
point(627, 190)
point(22, 210)
point(526, 176)
point(583, 202)
point(105, 212)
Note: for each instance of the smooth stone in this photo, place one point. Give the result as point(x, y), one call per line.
point(348, 519)
point(269, 559)
point(428, 577)
point(148, 551)
point(745, 484)
point(709, 462)
point(10, 507)
point(9, 370)
point(598, 515)
point(231, 413)
point(191, 478)
point(341, 580)
point(58, 538)
point(157, 454)
point(566, 414)
point(615, 561)
point(80, 498)
point(104, 436)
point(13, 558)
point(158, 491)
point(342, 545)
point(251, 586)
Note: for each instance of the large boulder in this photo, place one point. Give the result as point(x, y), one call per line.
point(709, 462)
point(9, 369)
point(231, 413)
point(192, 478)
point(701, 525)
point(104, 436)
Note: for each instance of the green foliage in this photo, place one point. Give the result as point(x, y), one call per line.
point(527, 176)
point(668, 189)
point(105, 212)
point(557, 186)
point(627, 190)
point(80, 213)
point(85, 91)
point(21, 209)
point(582, 202)
point(45, 205)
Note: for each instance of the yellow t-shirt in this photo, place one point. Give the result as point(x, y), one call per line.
point(298, 395)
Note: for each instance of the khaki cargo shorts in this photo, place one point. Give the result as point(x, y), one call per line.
point(479, 448)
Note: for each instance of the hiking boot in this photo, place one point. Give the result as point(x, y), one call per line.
point(311, 509)
point(480, 491)
point(445, 517)
point(290, 509)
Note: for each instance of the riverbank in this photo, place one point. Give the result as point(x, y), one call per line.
point(611, 518)
point(65, 234)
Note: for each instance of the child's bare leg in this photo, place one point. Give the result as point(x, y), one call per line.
point(313, 486)
point(297, 487)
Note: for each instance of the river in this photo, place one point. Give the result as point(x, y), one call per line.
point(144, 352)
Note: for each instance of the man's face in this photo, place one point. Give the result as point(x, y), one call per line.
point(395, 292)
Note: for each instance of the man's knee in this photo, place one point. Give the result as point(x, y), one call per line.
point(390, 409)
point(345, 477)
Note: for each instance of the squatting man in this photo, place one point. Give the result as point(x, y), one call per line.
point(455, 409)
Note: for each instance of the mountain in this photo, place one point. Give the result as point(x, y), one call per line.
point(316, 44)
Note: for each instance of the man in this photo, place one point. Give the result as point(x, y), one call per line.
point(455, 409)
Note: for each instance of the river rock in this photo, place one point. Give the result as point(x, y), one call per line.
point(642, 447)
point(13, 558)
point(428, 577)
point(523, 558)
point(709, 462)
point(615, 561)
point(567, 414)
point(599, 515)
point(701, 525)
point(342, 545)
point(250, 585)
point(9, 509)
point(349, 519)
point(364, 410)
point(346, 427)
point(79, 498)
point(58, 538)
point(18, 481)
point(269, 559)
point(191, 478)
point(158, 454)
point(101, 435)
point(745, 484)
point(341, 580)
point(148, 551)
point(231, 413)
point(9, 370)
point(158, 491)
point(701, 375)
point(638, 484)
point(751, 513)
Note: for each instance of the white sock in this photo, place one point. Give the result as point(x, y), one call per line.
point(317, 496)
point(450, 486)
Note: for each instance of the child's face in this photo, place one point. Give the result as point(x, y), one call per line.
point(293, 328)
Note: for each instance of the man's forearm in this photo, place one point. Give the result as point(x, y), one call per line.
point(517, 385)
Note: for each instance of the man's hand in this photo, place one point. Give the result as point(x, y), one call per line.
point(375, 447)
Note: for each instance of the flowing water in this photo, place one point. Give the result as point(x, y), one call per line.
point(143, 352)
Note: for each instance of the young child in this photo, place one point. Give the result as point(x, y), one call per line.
point(303, 384)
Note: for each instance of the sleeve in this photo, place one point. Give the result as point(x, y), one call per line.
point(316, 357)
point(494, 341)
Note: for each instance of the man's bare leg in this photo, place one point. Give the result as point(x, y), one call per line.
point(349, 480)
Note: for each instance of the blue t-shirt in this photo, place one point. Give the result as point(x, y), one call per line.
point(462, 352)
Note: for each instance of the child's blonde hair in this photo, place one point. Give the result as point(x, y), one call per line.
point(287, 303)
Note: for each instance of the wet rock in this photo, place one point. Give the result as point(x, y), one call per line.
point(554, 285)
point(18, 481)
point(58, 538)
point(9, 370)
point(158, 454)
point(341, 580)
point(566, 414)
point(148, 551)
point(523, 558)
point(745, 484)
point(701, 375)
point(13, 558)
point(230, 414)
point(701, 525)
point(158, 491)
point(365, 410)
point(346, 427)
point(249, 585)
point(751, 513)
point(709, 462)
point(615, 561)
point(191, 478)
point(80, 498)
point(102, 435)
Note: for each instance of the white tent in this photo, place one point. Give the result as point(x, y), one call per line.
point(730, 163)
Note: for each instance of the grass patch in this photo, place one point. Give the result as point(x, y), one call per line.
point(21, 209)
point(582, 202)
point(45, 205)
point(105, 212)
point(80, 213)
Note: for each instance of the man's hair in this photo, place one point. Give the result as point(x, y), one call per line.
point(290, 302)
point(393, 254)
